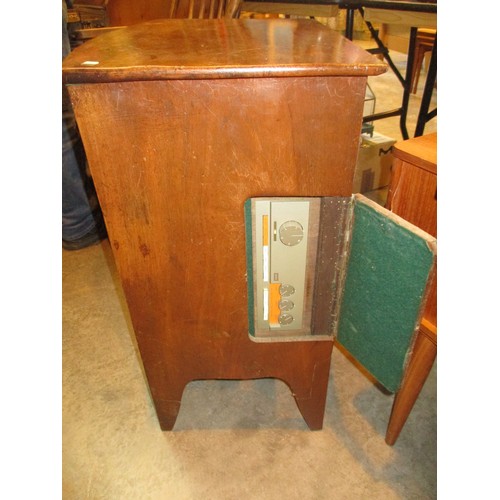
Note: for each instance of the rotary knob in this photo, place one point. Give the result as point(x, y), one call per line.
point(291, 233)
point(285, 305)
point(285, 319)
point(286, 290)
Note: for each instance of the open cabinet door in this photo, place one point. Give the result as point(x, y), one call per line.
point(388, 272)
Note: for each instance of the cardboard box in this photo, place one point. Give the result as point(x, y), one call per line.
point(373, 168)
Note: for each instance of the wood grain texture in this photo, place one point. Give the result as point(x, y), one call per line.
point(413, 192)
point(413, 195)
point(401, 17)
point(226, 48)
point(420, 151)
point(423, 357)
point(127, 12)
point(173, 161)
point(294, 9)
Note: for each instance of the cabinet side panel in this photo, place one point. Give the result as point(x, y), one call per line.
point(413, 195)
point(173, 163)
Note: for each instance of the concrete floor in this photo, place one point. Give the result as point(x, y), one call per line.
point(232, 440)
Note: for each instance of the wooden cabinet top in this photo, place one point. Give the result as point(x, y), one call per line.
point(420, 151)
point(225, 48)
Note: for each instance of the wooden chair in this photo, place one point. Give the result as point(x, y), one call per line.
point(89, 13)
point(423, 45)
point(179, 9)
point(204, 9)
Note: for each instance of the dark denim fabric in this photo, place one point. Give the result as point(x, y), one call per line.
point(80, 208)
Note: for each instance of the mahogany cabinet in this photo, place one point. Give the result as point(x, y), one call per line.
point(183, 123)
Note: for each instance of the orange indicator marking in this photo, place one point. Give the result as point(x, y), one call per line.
point(274, 300)
point(265, 230)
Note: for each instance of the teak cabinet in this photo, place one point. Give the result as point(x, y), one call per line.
point(413, 195)
point(183, 123)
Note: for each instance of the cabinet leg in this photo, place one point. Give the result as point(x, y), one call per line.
point(311, 398)
point(422, 359)
point(167, 408)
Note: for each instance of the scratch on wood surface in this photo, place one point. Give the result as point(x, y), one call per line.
point(118, 98)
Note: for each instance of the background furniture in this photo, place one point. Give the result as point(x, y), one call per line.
point(126, 12)
point(89, 13)
point(413, 196)
point(301, 8)
point(408, 16)
point(121, 13)
point(203, 9)
point(426, 38)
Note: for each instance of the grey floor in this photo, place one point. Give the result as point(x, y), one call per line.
point(232, 440)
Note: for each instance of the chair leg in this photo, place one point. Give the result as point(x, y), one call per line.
point(417, 68)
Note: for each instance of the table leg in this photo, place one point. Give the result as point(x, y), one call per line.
point(405, 81)
point(407, 84)
point(422, 359)
point(349, 23)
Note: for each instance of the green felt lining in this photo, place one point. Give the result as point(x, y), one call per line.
point(386, 279)
point(249, 257)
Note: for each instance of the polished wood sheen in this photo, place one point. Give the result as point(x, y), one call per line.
point(183, 121)
point(203, 49)
point(413, 196)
